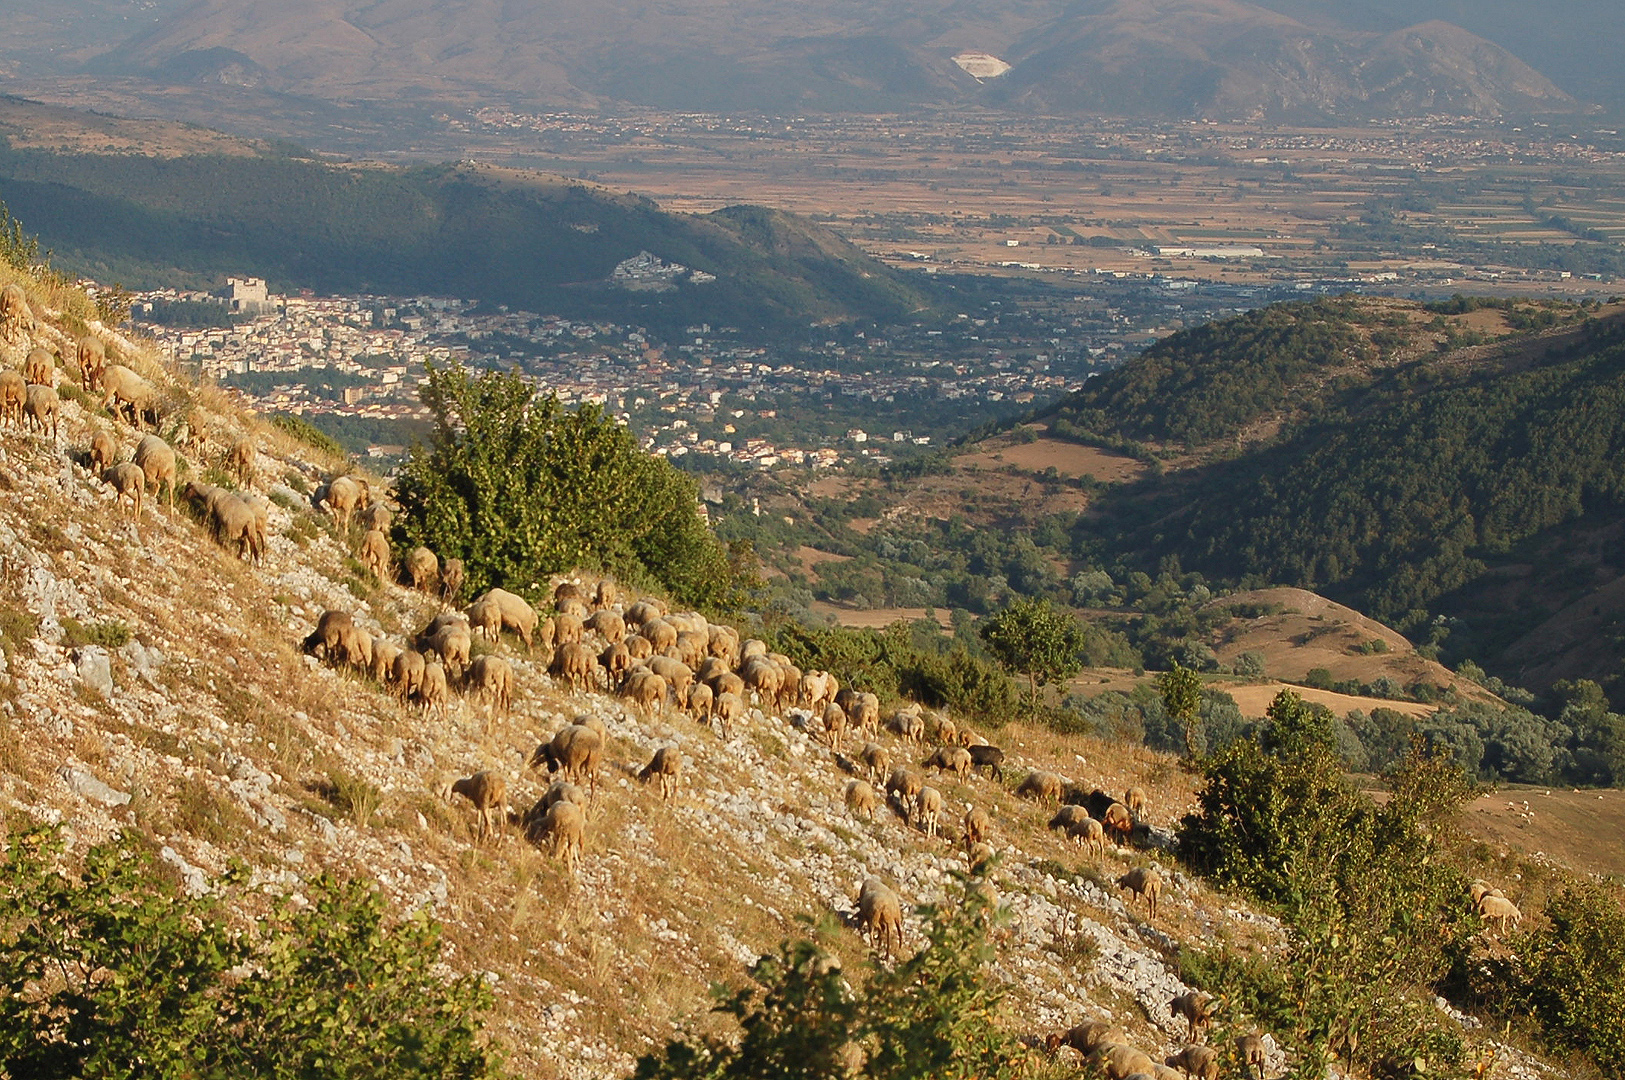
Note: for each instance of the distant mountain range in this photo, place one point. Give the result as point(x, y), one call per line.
point(1275, 59)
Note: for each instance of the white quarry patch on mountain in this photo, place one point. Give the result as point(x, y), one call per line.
point(981, 65)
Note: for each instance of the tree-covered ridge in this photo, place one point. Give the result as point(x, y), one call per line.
point(1396, 506)
point(1209, 383)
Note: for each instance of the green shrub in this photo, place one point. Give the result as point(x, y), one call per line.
point(130, 977)
point(306, 432)
point(109, 635)
point(1571, 975)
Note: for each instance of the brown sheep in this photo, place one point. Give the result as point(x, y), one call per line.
point(451, 642)
point(157, 460)
point(235, 521)
point(563, 791)
point(616, 662)
point(1118, 822)
point(977, 826)
point(1041, 786)
point(197, 431)
point(607, 625)
point(880, 917)
point(1250, 1052)
point(490, 679)
point(865, 713)
point(861, 799)
point(905, 784)
point(691, 648)
point(451, 580)
point(563, 827)
point(375, 554)
point(1086, 1037)
point(1145, 882)
point(979, 858)
point(906, 725)
point(423, 569)
point(567, 628)
point(605, 595)
point(729, 710)
point(954, 759)
point(489, 794)
point(123, 388)
point(485, 618)
point(700, 700)
point(376, 516)
point(873, 757)
point(927, 812)
point(1120, 1061)
point(338, 639)
point(240, 460)
point(728, 683)
point(640, 647)
point(40, 368)
point(816, 688)
point(16, 318)
point(1077, 824)
point(383, 659)
point(572, 607)
point(1197, 1062)
point(1134, 799)
point(834, 725)
point(44, 411)
point(92, 361)
point(1196, 1007)
point(104, 452)
point(13, 396)
point(575, 664)
point(343, 496)
point(128, 482)
point(1500, 910)
point(677, 674)
point(574, 750)
point(640, 613)
point(517, 616)
point(661, 634)
point(407, 672)
point(667, 765)
point(646, 690)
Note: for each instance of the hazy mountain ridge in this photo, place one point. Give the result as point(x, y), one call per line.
point(1152, 58)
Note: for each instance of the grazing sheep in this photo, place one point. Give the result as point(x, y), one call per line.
point(1134, 799)
point(874, 758)
point(40, 368)
point(92, 361)
point(880, 917)
point(661, 634)
point(157, 460)
point(729, 710)
point(1250, 1052)
point(16, 318)
point(44, 411)
point(834, 725)
point(728, 683)
point(197, 431)
point(407, 672)
point(605, 595)
point(13, 396)
point(944, 731)
point(517, 616)
point(905, 784)
point(576, 609)
point(576, 664)
point(644, 689)
point(1118, 822)
point(865, 713)
point(1145, 882)
point(1480, 888)
point(434, 694)
point(563, 791)
point(816, 688)
point(906, 725)
point(383, 659)
point(575, 751)
point(764, 678)
point(861, 799)
point(607, 625)
point(977, 826)
point(1500, 910)
point(616, 662)
point(677, 674)
point(988, 757)
point(563, 826)
point(699, 702)
point(234, 520)
point(376, 516)
point(375, 554)
point(123, 388)
point(847, 697)
point(489, 794)
point(927, 810)
point(485, 618)
point(1197, 1062)
point(954, 759)
point(642, 612)
point(667, 764)
point(343, 496)
point(490, 679)
point(1085, 1038)
point(979, 858)
point(640, 647)
point(451, 642)
point(104, 452)
point(1121, 1061)
point(240, 460)
point(1077, 824)
point(1041, 786)
point(337, 639)
point(128, 482)
point(423, 569)
point(1197, 1008)
point(567, 629)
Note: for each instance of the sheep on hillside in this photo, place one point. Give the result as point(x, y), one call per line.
point(39, 369)
point(880, 917)
point(1086, 1037)
point(1197, 1062)
point(834, 720)
point(977, 826)
point(489, 794)
point(513, 613)
point(127, 482)
point(375, 554)
point(16, 317)
point(13, 396)
point(729, 709)
point(407, 673)
point(490, 680)
point(1500, 910)
point(423, 569)
point(1077, 824)
point(1120, 1061)
point(988, 757)
point(1118, 822)
point(124, 389)
point(451, 642)
point(563, 827)
point(376, 515)
point(1041, 786)
point(154, 457)
point(104, 452)
point(92, 356)
point(1250, 1053)
point(337, 639)
point(342, 497)
point(1197, 1009)
point(954, 759)
point(666, 765)
point(574, 750)
point(240, 460)
point(874, 759)
point(44, 411)
point(1134, 799)
point(575, 664)
point(927, 810)
point(861, 799)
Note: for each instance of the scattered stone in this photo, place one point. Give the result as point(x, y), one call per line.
point(86, 786)
point(95, 668)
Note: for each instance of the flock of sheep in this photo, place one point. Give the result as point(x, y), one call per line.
point(654, 658)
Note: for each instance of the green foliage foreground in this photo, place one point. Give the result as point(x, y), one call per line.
point(519, 488)
point(114, 973)
point(934, 1016)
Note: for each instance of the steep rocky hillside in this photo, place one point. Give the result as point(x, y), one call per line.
point(154, 682)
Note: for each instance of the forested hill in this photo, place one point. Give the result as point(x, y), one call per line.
point(1449, 483)
point(535, 242)
point(1245, 377)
